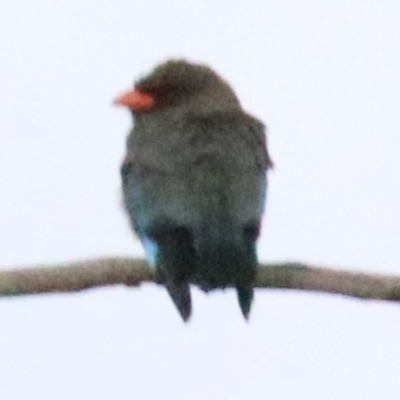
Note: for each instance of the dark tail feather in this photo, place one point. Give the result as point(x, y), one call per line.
point(175, 264)
point(180, 295)
point(225, 264)
point(228, 261)
point(245, 297)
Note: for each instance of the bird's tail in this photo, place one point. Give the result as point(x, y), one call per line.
point(180, 295)
point(225, 258)
point(175, 263)
point(225, 253)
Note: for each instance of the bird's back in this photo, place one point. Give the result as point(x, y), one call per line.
point(200, 164)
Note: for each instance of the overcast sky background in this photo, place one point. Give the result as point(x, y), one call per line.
point(323, 75)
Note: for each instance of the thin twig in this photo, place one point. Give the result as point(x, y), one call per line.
point(81, 275)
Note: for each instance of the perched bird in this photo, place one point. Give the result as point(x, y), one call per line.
point(194, 181)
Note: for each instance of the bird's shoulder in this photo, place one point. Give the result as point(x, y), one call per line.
point(234, 128)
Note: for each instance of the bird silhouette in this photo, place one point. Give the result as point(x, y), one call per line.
point(194, 181)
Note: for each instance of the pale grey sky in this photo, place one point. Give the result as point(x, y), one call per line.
point(323, 75)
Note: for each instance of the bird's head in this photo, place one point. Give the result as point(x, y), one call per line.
point(178, 83)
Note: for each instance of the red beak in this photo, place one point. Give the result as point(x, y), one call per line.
point(135, 100)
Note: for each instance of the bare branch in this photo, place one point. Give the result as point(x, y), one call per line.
point(80, 275)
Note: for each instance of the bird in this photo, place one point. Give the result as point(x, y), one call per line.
point(194, 181)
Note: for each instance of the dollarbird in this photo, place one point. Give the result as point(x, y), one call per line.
point(194, 181)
